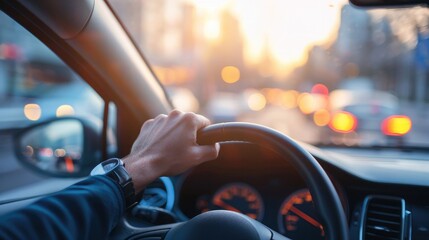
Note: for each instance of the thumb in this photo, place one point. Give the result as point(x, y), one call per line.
point(206, 152)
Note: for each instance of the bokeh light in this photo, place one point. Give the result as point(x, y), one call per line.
point(28, 151)
point(320, 89)
point(343, 122)
point(60, 152)
point(273, 95)
point(256, 101)
point(306, 103)
point(321, 117)
point(290, 98)
point(65, 110)
point(32, 111)
point(396, 125)
point(230, 74)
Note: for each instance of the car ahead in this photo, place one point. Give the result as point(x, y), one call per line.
point(263, 184)
point(367, 115)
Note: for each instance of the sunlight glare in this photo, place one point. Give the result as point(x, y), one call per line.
point(212, 29)
point(278, 27)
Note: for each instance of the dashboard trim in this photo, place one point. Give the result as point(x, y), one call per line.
point(378, 170)
point(169, 187)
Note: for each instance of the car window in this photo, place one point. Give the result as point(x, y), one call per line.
point(35, 85)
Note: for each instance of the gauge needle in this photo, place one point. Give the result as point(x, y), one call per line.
point(306, 217)
point(225, 206)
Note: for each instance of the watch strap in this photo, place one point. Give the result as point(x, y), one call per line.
point(121, 176)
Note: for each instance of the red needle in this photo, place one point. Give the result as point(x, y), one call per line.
point(226, 206)
point(306, 217)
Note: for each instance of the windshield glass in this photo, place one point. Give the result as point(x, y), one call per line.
point(320, 71)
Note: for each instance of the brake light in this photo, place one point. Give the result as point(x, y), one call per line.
point(343, 122)
point(320, 89)
point(69, 164)
point(396, 125)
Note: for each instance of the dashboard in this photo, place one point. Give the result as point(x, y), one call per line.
point(259, 183)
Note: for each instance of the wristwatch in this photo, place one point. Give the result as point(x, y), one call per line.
point(115, 169)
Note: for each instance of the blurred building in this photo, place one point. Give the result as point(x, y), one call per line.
point(226, 51)
point(163, 29)
point(353, 35)
point(368, 46)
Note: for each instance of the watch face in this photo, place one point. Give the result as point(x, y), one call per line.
point(105, 167)
point(109, 166)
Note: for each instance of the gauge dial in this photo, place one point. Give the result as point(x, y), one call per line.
point(241, 198)
point(298, 218)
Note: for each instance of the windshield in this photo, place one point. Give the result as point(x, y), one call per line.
point(320, 71)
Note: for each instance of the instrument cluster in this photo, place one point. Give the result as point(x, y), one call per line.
point(296, 216)
point(267, 190)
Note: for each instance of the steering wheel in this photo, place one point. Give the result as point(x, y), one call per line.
point(226, 225)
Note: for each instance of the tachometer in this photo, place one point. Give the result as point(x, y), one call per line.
point(298, 219)
point(241, 198)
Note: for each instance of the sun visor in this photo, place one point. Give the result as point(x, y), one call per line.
point(66, 22)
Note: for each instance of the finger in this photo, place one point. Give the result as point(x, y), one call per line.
point(175, 113)
point(146, 124)
point(201, 121)
point(161, 116)
point(206, 153)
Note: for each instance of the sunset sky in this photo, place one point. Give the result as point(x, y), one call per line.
point(288, 27)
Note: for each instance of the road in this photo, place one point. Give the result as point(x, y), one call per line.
point(289, 121)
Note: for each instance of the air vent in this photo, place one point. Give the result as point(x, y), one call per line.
point(383, 218)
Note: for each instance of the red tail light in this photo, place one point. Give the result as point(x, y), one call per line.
point(396, 125)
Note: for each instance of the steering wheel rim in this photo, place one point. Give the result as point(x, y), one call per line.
point(325, 197)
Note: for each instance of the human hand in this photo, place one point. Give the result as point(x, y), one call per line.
point(167, 145)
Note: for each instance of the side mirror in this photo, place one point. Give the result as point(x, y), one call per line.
point(62, 147)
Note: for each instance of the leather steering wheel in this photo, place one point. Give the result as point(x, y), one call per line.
point(229, 225)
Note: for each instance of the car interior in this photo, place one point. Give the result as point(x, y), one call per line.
point(76, 87)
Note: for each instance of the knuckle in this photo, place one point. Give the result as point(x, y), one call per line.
point(190, 117)
point(147, 123)
point(203, 118)
point(161, 116)
point(175, 113)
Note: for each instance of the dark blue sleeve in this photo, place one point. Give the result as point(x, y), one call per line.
point(89, 209)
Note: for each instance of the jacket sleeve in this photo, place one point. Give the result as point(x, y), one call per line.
point(89, 209)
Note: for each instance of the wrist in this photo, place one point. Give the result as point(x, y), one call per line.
point(141, 171)
point(114, 169)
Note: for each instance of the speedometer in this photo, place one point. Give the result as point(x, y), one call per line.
point(241, 198)
point(298, 219)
